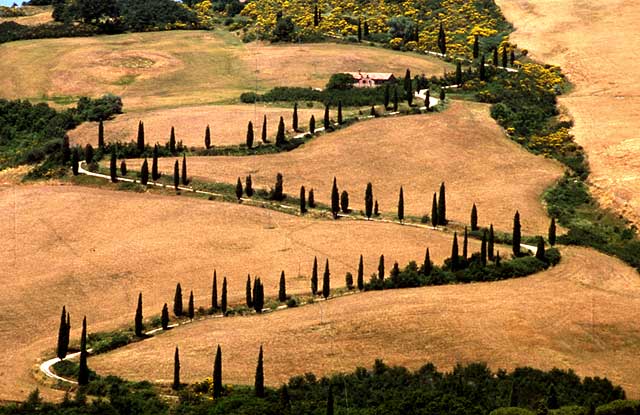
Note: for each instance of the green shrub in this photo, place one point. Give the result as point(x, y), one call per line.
point(512, 411)
point(618, 407)
point(570, 410)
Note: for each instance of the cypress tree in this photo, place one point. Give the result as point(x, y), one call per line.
point(214, 291)
point(490, 243)
point(348, 279)
point(395, 99)
point(207, 138)
point(185, 177)
point(512, 57)
point(465, 244)
point(552, 232)
point(248, 296)
point(248, 186)
point(250, 135)
point(434, 212)
point(335, 199)
point(278, 192)
point(259, 383)
point(401, 206)
point(138, 319)
point(164, 318)
point(410, 94)
point(144, 172)
point(176, 370)
point(100, 135)
point(373, 111)
point(326, 121)
point(217, 374)
point(326, 281)
point(282, 291)
point(62, 348)
point(359, 30)
point(176, 175)
point(426, 266)
point(66, 149)
point(340, 120)
point(482, 70)
point(239, 190)
point(88, 154)
point(330, 402)
point(83, 371)
point(476, 47)
point(294, 122)
point(540, 254)
point(454, 253)
point(172, 141)
point(360, 281)
point(75, 162)
point(303, 201)
point(223, 300)
point(459, 73)
point(312, 124)
point(483, 249)
point(442, 40)
point(516, 234)
point(505, 58)
point(68, 332)
point(264, 130)
point(344, 201)
point(474, 218)
point(442, 95)
point(191, 310)
point(442, 206)
point(280, 139)
point(407, 81)
point(112, 167)
point(258, 296)
point(495, 56)
point(314, 277)
point(155, 174)
point(177, 301)
point(366, 29)
point(368, 200)
point(123, 167)
point(376, 211)
point(386, 96)
point(381, 268)
point(316, 18)
point(498, 258)
point(427, 100)
point(140, 142)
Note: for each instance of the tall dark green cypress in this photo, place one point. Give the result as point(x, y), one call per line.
point(401, 206)
point(223, 300)
point(312, 124)
point(360, 281)
point(176, 370)
point(248, 186)
point(83, 371)
point(139, 328)
point(395, 99)
point(155, 174)
point(207, 137)
point(552, 232)
point(330, 404)
point(376, 210)
point(62, 348)
point(409, 96)
point(264, 130)
point(359, 30)
point(280, 138)
point(495, 57)
point(68, 332)
point(326, 281)
point(217, 374)
point(482, 70)
point(239, 190)
point(490, 243)
point(505, 58)
point(455, 260)
point(259, 382)
point(442, 206)
point(340, 120)
point(365, 30)
point(144, 172)
point(483, 249)
point(191, 309)
point(517, 236)
point(465, 244)
point(335, 199)
point(177, 301)
point(294, 122)
point(66, 149)
point(381, 268)
point(75, 160)
point(214, 291)
point(459, 73)
point(540, 254)
point(474, 218)
point(387, 97)
point(100, 135)
point(368, 200)
point(140, 141)
point(258, 296)
point(176, 175)
point(344, 201)
point(512, 57)
point(123, 167)
point(407, 81)
point(249, 135)
point(434, 212)
point(172, 141)
point(442, 40)
point(303, 201)
point(316, 16)
point(88, 154)
point(426, 266)
point(282, 290)
point(112, 167)
point(314, 277)
point(248, 296)
point(185, 177)
point(326, 120)
point(164, 317)
point(427, 100)
point(476, 47)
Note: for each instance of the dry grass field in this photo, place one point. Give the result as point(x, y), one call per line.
point(36, 15)
point(591, 328)
point(462, 146)
point(597, 45)
point(228, 124)
point(95, 249)
point(182, 68)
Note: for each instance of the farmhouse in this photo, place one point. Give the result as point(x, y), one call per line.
point(371, 79)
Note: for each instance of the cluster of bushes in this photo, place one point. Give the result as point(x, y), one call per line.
point(355, 97)
point(12, 31)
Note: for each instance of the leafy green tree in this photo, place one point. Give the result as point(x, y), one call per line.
point(326, 281)
point(223, 300)
point(239, 190)
point(517, 236)
point(155, 174)
point(552, 232)
point(434, 211)
point(250, 135)
point(123, 168)
point(326, 120)
point(474, 218)
point(335, 199)
point(140, 140)
point(207, 137)
point(280, 138)
point(83, 372)
point(172, 141)
point(248, 296)
point(94, 10)
point(185, 177)
point(144, 172)
point(112, 167)
point(442, 206)
point(176, 370)
point(282, 291)
point(283, 30)
point(294, 122)
point(340, 120)
point(248, 186)
point(476, 47)
point(303, 201)
point(312, 124)
point(552, 395)
point(387, 96)
point(442, 95)
point(482, 70)
point(344, 201)
point(442, 40)
point(483, 249)
point(465, 244)
point(139, 328)
point(381, 268)
point(176, 175)
point(63, 344)
point(314, 277)
point(401, 206)
point(368, 200)
point(491, 243)
point(264, 130)
point(217, 374)
point(455, 260)
point(214, 291)
point(88, 154)
point(259, 382)
point(164, 317)
point(360, 280)
point(100, 134)
point(427, 266)
point(278, 192)
point(75, 160)
point(191, 311)
point(540, 254)
point(177, 301)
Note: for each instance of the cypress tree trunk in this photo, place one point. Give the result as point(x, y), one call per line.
point(83, 371)
point(426, 266)
point(366, 30)
point(248, 186)
point(330, 402)
point(340, 120)
point(214, 291)
point(427, 101)
point(185, 177)
point(495, 56)
point(74, 162)
point(335, 199)
point(67, 332)
point(314, 277)
point(442, 206)
point(112, 167)
point(482, 70)
point(239, 190)
point(512, 57)
point(144, 173)
point(100, 135)
point(442, 40)
point(326, 121)
point(155, 174)
point(381, 268)
point(250, 135)
point(280, 139)
point(316, 19)
point(223, 301)
point(207, 138)
point(191, 310)
point(176, 370)
point(465, 244)
point(386, 97)
point(248, 296)
point(61, 349)
point(312, 124)
point(474, 218)
point(360, 281)
point(516, 235)
point(140, 142)
point(303, 202)
point(490, 243)
point(459, 73)
point(176, 175)
point(264, 130)
point(172, 141)
point(552, 232)
point(294, 122)
point(326, 281)
point(217, 374)
point(259, 383)
point(540, 254)
point(483, 249)
point(139, 328)
point(395, 99)
point(454, 253)
point(505, 59)
point(401, 206)
point(368, 200)
point(123, 168)
point(344, 201)
point(359, 30)
point(282, 292)
point(164, 319)
point(476, 47)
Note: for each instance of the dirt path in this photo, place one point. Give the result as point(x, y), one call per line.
point(597, 45)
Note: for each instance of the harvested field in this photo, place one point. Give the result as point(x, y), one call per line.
point(591, 328)
point(462, 146)
point(228, 124)
point(182, 68)
point(95, 249)
point(591, 40)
